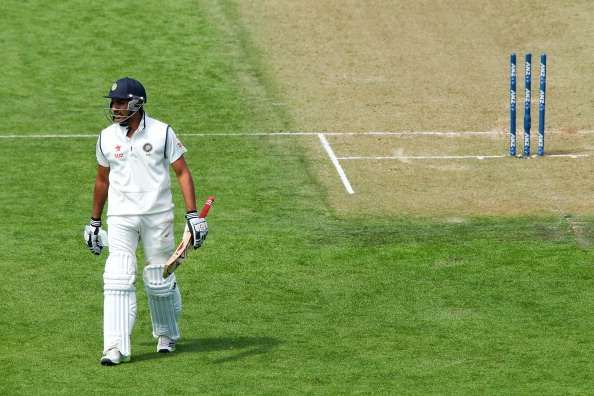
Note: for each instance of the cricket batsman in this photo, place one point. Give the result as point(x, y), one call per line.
point(133, 155)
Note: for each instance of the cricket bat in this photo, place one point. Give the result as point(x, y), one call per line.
point(181, 252)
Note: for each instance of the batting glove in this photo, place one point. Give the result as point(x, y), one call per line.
point(198, 227)
point(93, 236)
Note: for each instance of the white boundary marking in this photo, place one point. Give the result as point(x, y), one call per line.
point(332, 156)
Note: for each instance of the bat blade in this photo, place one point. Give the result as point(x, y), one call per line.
point(179, 255)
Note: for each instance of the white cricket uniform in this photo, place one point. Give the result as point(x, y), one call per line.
point(140, 208)
point(139, 167)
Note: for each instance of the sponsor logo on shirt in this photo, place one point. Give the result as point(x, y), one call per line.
point(147, 147)
point(118, 154)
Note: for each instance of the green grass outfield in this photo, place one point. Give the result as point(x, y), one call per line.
point(286, 296)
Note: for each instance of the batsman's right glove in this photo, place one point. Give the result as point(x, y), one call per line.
point(198, 227)
point(94, 236)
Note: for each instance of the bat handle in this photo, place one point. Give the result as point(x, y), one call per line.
point(206, 207)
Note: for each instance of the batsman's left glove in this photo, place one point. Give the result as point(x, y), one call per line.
point(198, 227)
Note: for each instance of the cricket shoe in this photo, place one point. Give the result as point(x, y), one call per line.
point(113, 356)
point(165, 344)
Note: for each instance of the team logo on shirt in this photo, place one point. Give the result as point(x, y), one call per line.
point(147, 147)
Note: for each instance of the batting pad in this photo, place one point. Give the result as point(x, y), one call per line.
point(164, 301)
point(119, 302)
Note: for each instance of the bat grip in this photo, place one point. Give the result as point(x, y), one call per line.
point(206, 207)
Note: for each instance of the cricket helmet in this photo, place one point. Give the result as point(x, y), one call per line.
point(131, 90)
point(128, 89)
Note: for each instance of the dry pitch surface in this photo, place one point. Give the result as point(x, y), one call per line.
point(382, 65)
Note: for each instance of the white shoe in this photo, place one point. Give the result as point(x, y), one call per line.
point(113, 356)
point(165, 344)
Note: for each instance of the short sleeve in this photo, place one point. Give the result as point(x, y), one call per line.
point(173, 147)
point(101, 160)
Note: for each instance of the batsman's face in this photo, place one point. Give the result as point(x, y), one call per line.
point(119, 109)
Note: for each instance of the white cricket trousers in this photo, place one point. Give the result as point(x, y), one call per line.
point(155, 231)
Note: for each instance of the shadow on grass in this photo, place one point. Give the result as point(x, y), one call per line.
point(238, 348)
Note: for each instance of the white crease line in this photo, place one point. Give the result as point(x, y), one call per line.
point(330, 152)
point(66, 136)
point(271, 134)
point(567, 155)
point(47, 136)
point(421, 157)
point(451, 157)
point(251, 134)
point(418, 133)
point(295, 133)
